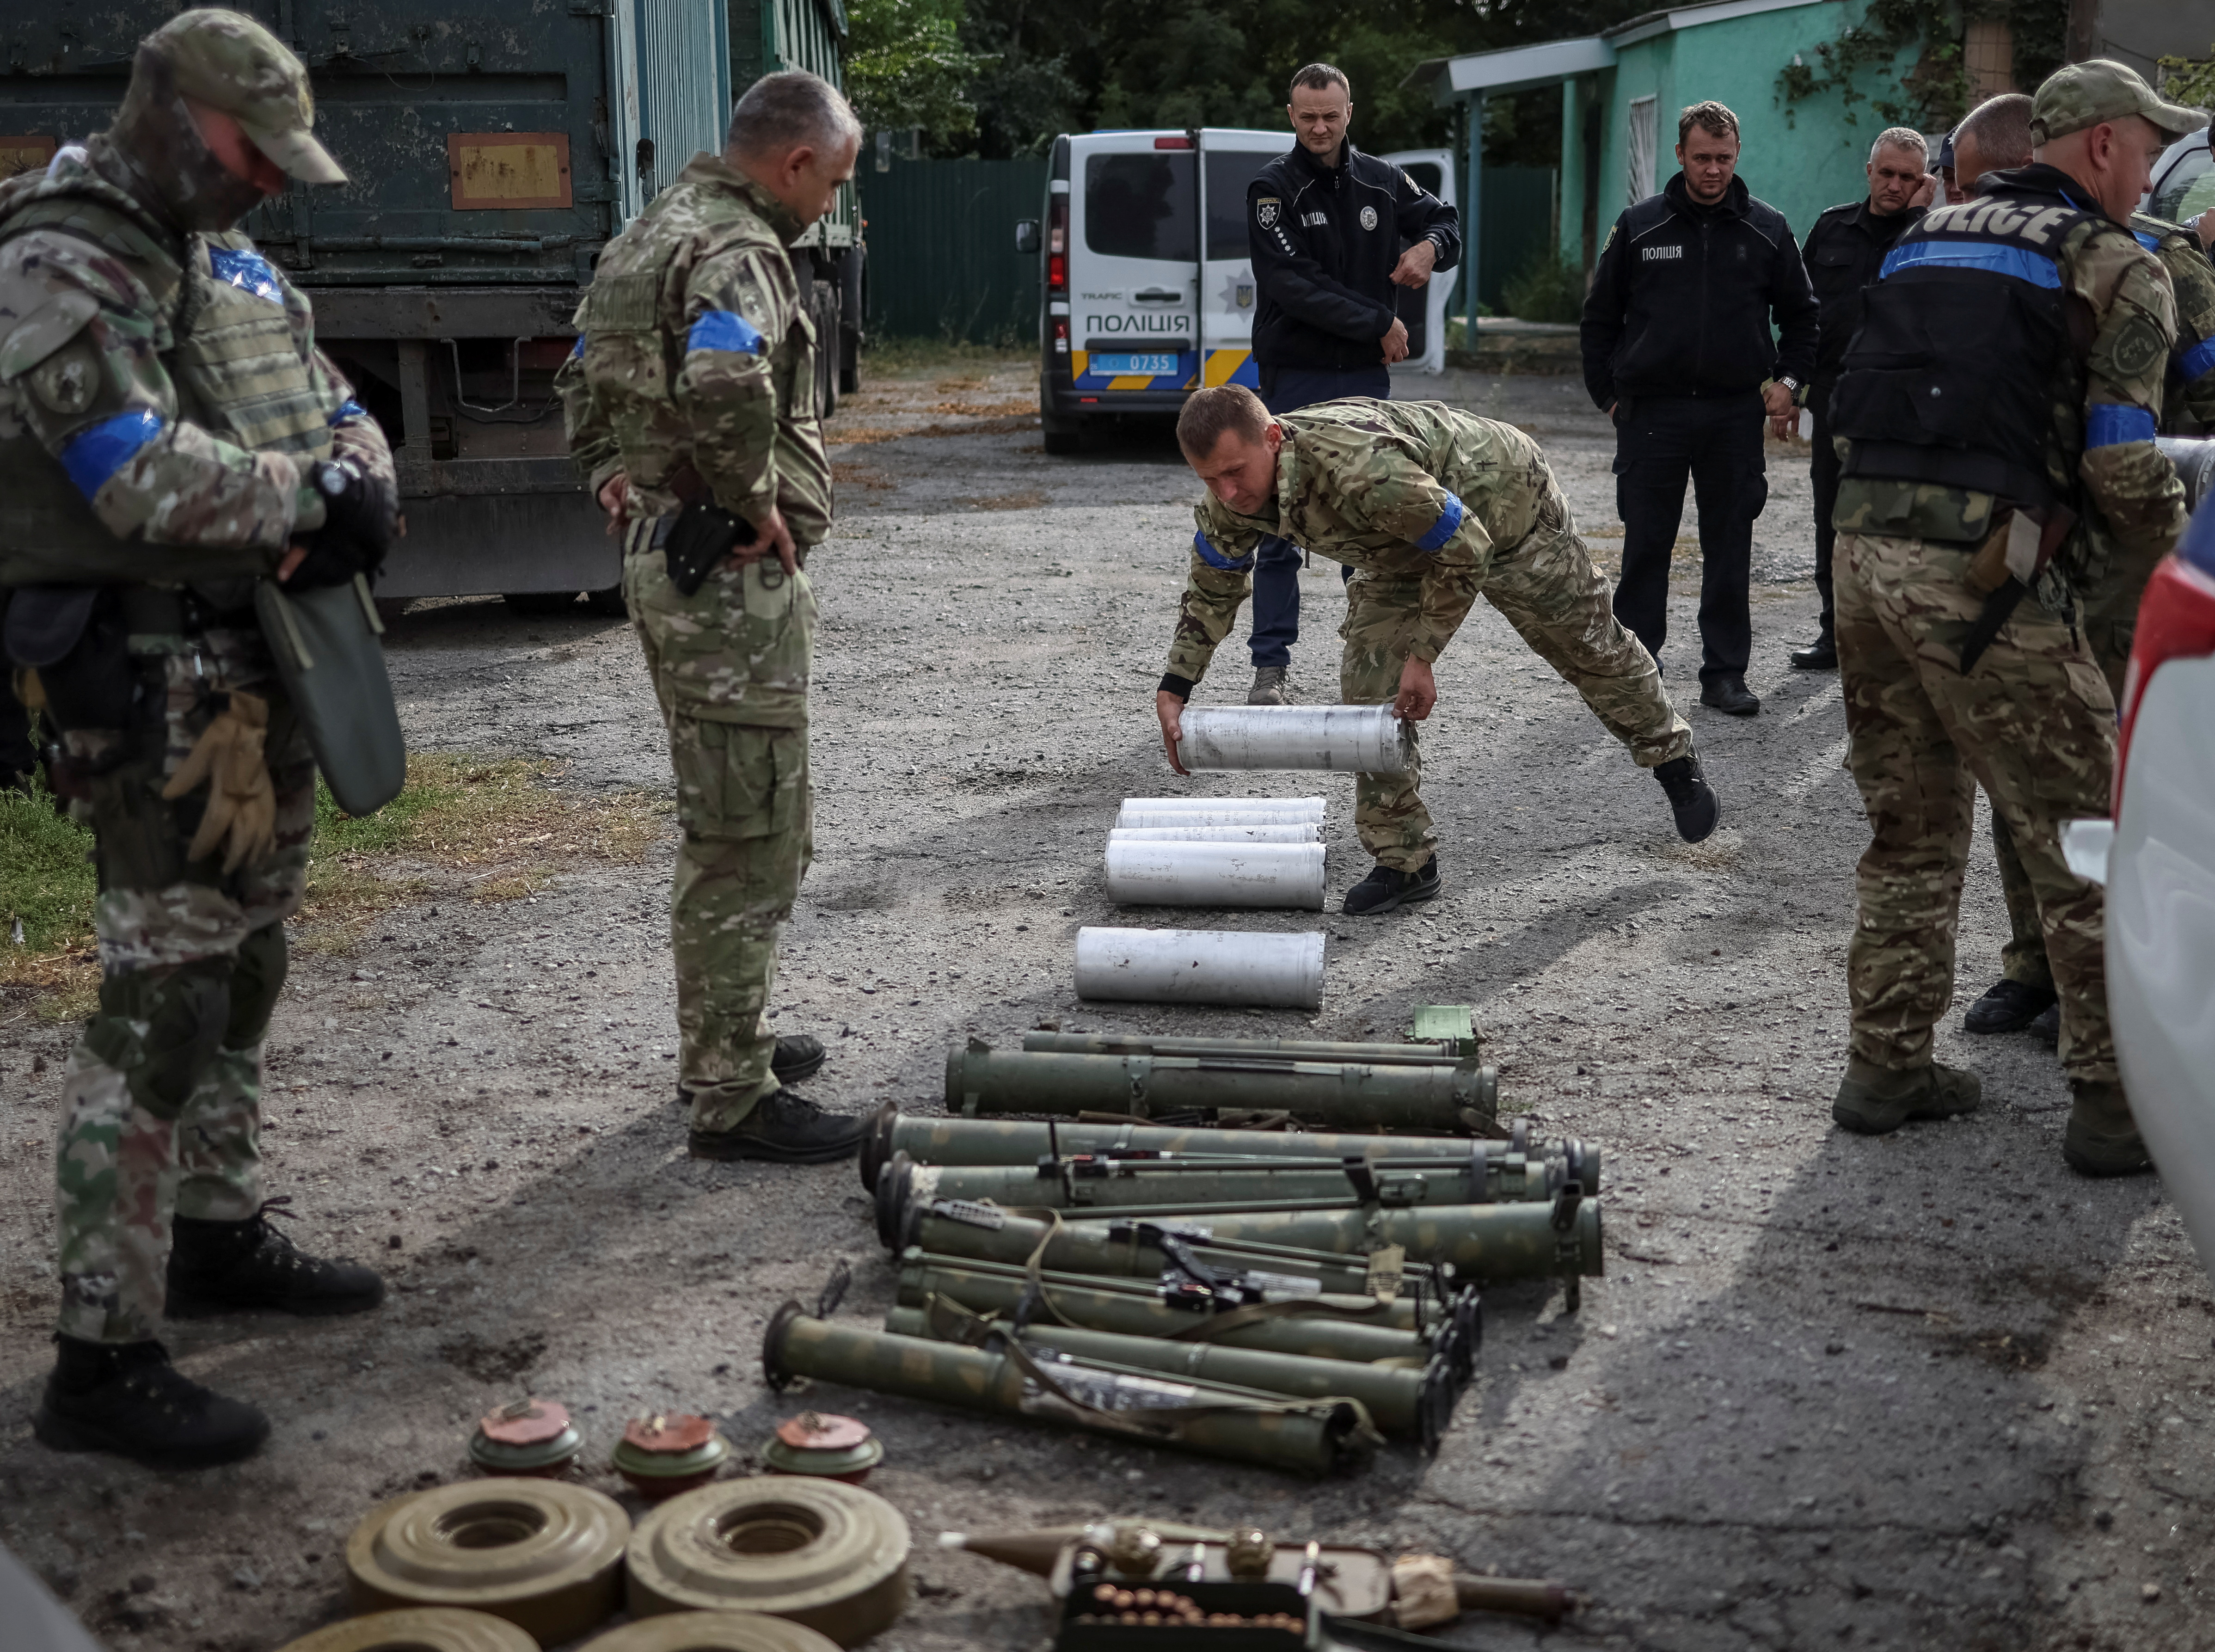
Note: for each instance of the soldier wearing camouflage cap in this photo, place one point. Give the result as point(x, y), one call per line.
point(1997, 415)
point(1431, 507)
point(690, 407)
point(170, 436)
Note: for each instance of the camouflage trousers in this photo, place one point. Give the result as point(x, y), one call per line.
point(2033, 724)
point(728, 654)
point(1548, 588)
point(161, 1098)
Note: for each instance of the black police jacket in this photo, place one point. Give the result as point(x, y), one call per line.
point(1681, 302)
point(1323, 241)
point(1843, 254)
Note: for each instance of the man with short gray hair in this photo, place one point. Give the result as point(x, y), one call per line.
point(1842, 252)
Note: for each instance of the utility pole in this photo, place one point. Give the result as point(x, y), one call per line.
point(2083, 39)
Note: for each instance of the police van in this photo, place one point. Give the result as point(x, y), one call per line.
point(1133, 315)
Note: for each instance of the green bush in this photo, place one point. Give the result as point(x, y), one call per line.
point(1548, 288)
point(47, 881)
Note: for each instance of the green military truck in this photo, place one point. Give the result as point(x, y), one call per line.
point(494, 147)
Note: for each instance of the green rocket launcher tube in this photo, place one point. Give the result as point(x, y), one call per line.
point(1428, 1054)
point(931, 1139)
point(1089, 1183)
point(1404, 1404)
point(1344, 1328)
point(1356, 1095)
point(1317, 1436)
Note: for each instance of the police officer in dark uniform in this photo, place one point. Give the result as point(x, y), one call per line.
point(1842, 253)
point(1676, 346)
point(1324, 225)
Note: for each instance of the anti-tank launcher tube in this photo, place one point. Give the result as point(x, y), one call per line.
point(1446, 1052)
point(1314, 1436)
point(1404, 1404)
point(1357, 1095)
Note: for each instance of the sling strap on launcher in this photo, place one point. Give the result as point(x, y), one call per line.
point(2022, 541)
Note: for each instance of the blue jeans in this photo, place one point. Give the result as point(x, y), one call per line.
point(1277, 561)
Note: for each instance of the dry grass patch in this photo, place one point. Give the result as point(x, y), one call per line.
point(1022, 501)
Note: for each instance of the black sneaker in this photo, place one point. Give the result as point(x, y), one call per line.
point(1691, 799)
point(234, 1266)
point(2009, 1007)
point(798, 1057)
point(1384, 889)
point(1821, 654)
point(2047, 1027)
point(127, 1398)
point(1730, 695)
point(784, 1129)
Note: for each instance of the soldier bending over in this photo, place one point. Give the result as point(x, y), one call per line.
point(1430, 506)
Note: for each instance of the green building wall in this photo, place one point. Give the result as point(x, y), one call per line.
point(1798, 166)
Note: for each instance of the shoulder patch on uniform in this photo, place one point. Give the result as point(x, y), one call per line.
point(45, 330)
point(1613, 230)
point(624, 304)
point(249, 271)
point(1266, 208)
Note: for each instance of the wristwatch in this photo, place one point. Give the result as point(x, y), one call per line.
point(1791, 383)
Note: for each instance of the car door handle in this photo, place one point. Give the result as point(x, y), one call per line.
point(1156, 296)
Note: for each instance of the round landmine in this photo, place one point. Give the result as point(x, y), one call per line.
point(829, 1555)
point(712, 1631)
point(530, 1437)
point(419, 1629)
point(543, 1555)
point(662, 1456)
point(826, 1446)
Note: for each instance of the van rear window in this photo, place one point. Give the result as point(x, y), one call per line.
point(1140, 205)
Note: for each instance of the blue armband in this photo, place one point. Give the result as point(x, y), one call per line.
point(2110, 423)
point(1214, 558)
point(724, 329)
point(249, 272)
point(578, 348)
point(349, 409)
point(1446, 527)
point(2198, 362)
point(96, 453)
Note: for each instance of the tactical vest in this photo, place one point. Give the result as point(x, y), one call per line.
point(1950, 379)
point(222, 328)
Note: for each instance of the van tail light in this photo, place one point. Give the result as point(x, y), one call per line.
point(1057, 246)
point(2176, 621)
point(1061, 335)
point(1172, 143)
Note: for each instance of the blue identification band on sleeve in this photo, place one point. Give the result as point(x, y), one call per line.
point(2020, 262)
point(724, 329)
point(1214, 558)
point(2110, 424)
point(349, 409)
point(578, 348)
point(2151, 242)
point(93, 455)
point(249, 272)
point(1446, 527)
point(2198, 362)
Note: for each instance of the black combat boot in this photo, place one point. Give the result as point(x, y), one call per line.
point(2009, 1007)
point(784, 1129)
point(2101, 1139)
point(127, 1398)
point(1384, 889)
point(798, 1057)
point(1821, 654)
point(1729, 694)
point(234, 1266)
point(1691, 799)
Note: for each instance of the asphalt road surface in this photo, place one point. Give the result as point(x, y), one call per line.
point(1931, 1390)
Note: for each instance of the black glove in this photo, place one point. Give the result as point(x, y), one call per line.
point(361, 515)
point(704, 536)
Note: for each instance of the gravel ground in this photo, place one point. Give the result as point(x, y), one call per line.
point(1927, 1391)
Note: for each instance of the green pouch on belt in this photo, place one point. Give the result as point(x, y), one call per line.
point(328, 657)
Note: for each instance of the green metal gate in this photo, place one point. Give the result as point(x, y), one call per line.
point(1518, 222)
point(942, 259)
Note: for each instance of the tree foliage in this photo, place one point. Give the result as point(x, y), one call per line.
point(906, 67)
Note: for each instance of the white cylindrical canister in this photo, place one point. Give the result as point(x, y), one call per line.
point(1137, 819)
point(1306, 831)
point(1201, 966)
point(1355, 739)
point(1290, 808)
point(1216, 875)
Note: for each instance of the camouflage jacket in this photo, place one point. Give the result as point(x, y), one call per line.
point(694, 343)
point(1397, 490)
point(160, 396)
point(2129, 503)
point(2190, 392)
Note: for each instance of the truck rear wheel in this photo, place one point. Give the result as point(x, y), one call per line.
point(823, 307)
point(853, 273)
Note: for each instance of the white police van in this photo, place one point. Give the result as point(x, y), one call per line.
point(1132, 317)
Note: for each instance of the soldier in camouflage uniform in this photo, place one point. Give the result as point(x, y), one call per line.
point(689, 401)
point(2024, 997)
point(1999, 408)
point(169, 435)
point(1431, 507)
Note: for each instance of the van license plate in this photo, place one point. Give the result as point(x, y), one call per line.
point(1117, 366)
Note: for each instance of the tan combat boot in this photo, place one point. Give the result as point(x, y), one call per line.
point(1876, 1100)
point(2102, 1138)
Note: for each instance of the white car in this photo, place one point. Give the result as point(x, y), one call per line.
point(2160, 878)
point(2183, 180)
